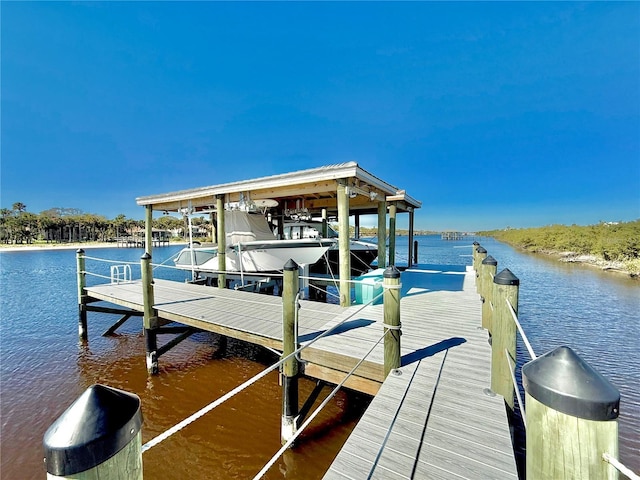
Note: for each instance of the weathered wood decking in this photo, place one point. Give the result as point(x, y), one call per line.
point(430, 419)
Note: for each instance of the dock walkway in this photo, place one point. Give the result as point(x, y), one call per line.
point(432, 418)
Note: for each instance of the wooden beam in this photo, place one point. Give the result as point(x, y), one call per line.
point(327, 374)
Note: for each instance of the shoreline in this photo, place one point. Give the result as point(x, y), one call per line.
point(609, 266)
point(30, 247)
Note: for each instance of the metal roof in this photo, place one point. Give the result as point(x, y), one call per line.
point(315, 188)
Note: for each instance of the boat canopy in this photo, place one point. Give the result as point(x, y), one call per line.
point(246, 227)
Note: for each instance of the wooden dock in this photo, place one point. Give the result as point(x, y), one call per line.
point(432, 418)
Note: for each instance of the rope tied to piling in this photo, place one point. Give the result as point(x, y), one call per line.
point(203, 411)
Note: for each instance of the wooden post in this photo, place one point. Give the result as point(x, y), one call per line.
point(213, 221)
point(98, 436)
point(222, 243)
point(289, 375)
point(82, 295)
point(343, 245)
point(415, 252)
point(482, 254)
point(475, 254)
point(412, 259)
point(382, 234)
point(148, 229)
point(505, 289)
point(356, 232)
point(572, 418)
point(393, 209)
point(489, 268)
point(391, 313)
point(150, 318)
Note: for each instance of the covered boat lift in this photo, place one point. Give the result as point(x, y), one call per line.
point(333, 191)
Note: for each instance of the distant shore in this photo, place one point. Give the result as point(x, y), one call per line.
point(26, 247)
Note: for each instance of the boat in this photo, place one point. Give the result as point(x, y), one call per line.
point(251, 247)
point(362, 253)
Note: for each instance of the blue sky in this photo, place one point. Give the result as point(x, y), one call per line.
point(491, 114)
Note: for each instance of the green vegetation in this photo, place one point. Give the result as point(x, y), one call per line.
point(66, 225)
point(606, 241)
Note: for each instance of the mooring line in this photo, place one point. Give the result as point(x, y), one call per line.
point(306, 423)
point(179, 426)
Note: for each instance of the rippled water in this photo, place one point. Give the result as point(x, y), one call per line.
point(44, 368)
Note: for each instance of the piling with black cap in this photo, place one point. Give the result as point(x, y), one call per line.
point(475, 254)
point(150, 318)
point(82, 294)
point(503, 335)
point(489, 268)
point(98, 436)
point(391, 313)
point(571, 413)
point(481, 254)
point(289, 376)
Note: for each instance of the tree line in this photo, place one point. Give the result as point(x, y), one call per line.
point(617, 241)
point(60, 225)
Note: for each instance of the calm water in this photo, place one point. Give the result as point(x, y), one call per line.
point(44, 368)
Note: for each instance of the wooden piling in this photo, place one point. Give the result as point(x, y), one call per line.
point(391, 313)
point(571, 414)
point(481, 255)
point(382, 234)
point(489, 268)
point(289, 376)
point(148, 229)
point(505, 292)
point(222, 243)
point(98, 436)
point(393, 210)
point(343, 244)
point(150, 318)
point(82, 295)
point(474, 254)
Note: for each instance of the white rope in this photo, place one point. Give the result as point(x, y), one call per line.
point(179, 426)
point(163, 436)
point(532, 354)
point(96, 275)
point(297, 433)
point(110, 261)
point(620, 467)
point(515, 385)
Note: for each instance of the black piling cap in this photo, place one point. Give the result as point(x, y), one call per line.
point(100, 423)
point(563, 381)
point(490, 261)
point(475, 243)
point(291, 265)
point(481, 250)
point(80, 251)
point(145, 256)
point(391, 272)
point(505, 277)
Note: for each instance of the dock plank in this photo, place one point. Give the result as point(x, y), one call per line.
point(431, 418)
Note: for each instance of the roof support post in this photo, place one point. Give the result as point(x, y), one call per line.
point(148, 229)
point(393, 209)
point(343, 244)
point(222, 243)
point(382, 234)
point(411, 260)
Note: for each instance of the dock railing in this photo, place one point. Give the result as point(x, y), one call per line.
point(70, 439)
point(570, 412)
